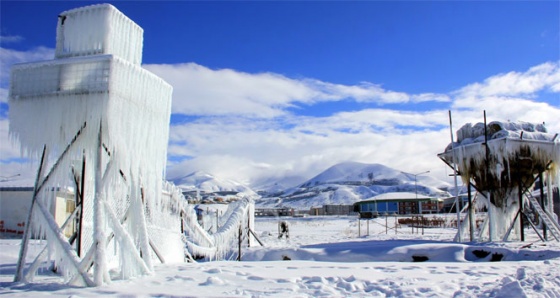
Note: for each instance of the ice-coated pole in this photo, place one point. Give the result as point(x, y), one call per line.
point(99, 235)
point(459, 238)
point(19, 277)
point(490, 210)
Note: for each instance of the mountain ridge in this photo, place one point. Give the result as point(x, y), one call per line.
point(206, 182)
point(349, 182)
point(341, 184)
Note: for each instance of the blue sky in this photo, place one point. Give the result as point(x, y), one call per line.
point(417, 46)
point(271, 89)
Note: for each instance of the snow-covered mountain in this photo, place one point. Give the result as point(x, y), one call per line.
point(274, 186)
point(348, 182)
point(207, 183)
point(342, 184)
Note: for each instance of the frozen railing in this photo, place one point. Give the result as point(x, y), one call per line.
point(198, 241)
point(218, 245)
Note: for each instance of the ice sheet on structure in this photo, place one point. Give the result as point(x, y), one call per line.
point(515, 154)
point(116, 116)
point(98, 29)
point(469, 133)
point(219, 245)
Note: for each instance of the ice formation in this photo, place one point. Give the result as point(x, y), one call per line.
point(508, 163)
point(97, 30)
point(218, 245)
point(105, 120)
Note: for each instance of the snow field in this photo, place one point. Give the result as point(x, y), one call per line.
point(329, 260)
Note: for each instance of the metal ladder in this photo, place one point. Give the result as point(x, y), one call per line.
point(547, 219)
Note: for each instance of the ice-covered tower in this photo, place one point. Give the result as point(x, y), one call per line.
point(105, 122)
point(503, 161)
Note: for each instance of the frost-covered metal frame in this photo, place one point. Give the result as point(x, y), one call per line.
point(504, 168)
point(105, 121)
point(96, 86)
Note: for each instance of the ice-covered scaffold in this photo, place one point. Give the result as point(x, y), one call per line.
point(105, 121)
point(502, 161)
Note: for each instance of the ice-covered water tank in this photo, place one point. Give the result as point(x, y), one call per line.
point(98, 29)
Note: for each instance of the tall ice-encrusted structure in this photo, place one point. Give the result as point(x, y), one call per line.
point(104, 122)
point(514, 167)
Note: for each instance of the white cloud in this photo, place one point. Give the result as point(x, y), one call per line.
point(391, 120)
point(237, 148)
point(555, 87)
point(199, 90)
point(10, 39)
point(244, 130)
point(508, 108)
point(240, 149)
point(425, 97)
point(364, 92)
point(541, 77)
point(514, 96)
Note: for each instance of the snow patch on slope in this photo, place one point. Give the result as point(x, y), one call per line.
point(208, 183)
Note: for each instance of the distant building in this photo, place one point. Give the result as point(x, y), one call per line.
point(332, 210)
point(449, 203)
point(398, 203)
point(261, 212)
point(14, 209)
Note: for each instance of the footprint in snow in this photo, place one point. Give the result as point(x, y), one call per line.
point(178, 278)
point(313, 279)
point(521, 274)
point(212, 281)
point(424, 290)
point(214, 271)
point(351, 278)
point(349, 286)
point(284, 281)
point(411, 268)
point(380, 268)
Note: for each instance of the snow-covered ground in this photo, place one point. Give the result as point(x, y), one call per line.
point(329, 259)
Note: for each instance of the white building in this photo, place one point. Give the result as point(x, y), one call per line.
point(14, 209)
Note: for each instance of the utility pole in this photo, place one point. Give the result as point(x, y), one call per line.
point(416, 190)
